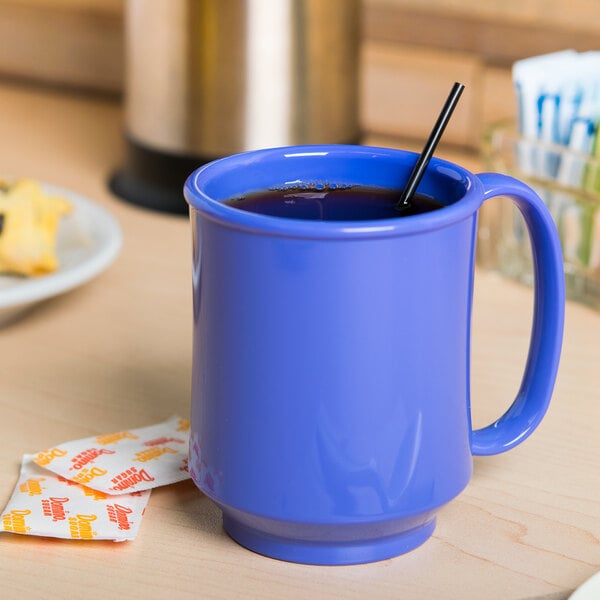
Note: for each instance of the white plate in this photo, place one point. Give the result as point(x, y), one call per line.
point(89, 238)
point(590, 590)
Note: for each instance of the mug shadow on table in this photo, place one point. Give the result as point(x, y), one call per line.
point(189, 508)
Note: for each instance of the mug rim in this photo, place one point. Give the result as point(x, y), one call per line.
point(215, 210)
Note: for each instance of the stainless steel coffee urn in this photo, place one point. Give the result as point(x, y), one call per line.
point(207, 78)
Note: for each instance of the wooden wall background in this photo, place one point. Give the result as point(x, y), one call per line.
point(411, 52)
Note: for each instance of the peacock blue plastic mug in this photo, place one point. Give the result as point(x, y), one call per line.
point(330, 414)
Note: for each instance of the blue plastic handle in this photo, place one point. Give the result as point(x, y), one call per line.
point(533, 398)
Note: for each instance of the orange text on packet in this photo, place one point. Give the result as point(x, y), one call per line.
point(14, 521)
point(183, 425)
point(119, 514)
point(113, 438)
point(47, 456)
point(163, 440)
point(87, 456)
point(129, 478)
point(80, 527)
point(86, 475)
point(55, 508)
point(32, 487)
point(152, 453)
point(93, 494)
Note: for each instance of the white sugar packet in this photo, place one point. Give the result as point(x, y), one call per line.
point(124, 461)
point(46, 504)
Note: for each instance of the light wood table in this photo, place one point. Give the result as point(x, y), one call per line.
point(116, 354)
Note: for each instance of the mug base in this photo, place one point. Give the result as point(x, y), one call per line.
point(323, 553)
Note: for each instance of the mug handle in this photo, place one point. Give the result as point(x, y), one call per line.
point(533, 397)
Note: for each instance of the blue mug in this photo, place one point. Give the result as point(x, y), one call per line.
point(330, 413)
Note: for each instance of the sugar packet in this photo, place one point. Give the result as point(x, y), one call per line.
point(46, 504)
point(558, 105)
point(124, 461)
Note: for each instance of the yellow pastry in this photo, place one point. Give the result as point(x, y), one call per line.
point(29, 220)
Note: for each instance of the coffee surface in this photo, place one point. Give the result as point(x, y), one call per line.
point(338, 204)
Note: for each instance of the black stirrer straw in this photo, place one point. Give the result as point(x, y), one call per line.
point(425, 156)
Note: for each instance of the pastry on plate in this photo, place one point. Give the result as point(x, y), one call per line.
point(29, 220)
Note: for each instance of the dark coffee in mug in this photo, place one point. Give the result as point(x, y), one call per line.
point(354, 203)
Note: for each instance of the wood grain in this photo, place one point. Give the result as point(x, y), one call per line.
point(403, 90)
point(494, 33)
point(63, 43)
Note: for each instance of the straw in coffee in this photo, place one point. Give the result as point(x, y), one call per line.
point(434, 137)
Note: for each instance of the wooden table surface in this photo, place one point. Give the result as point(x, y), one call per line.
point(116, 354)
